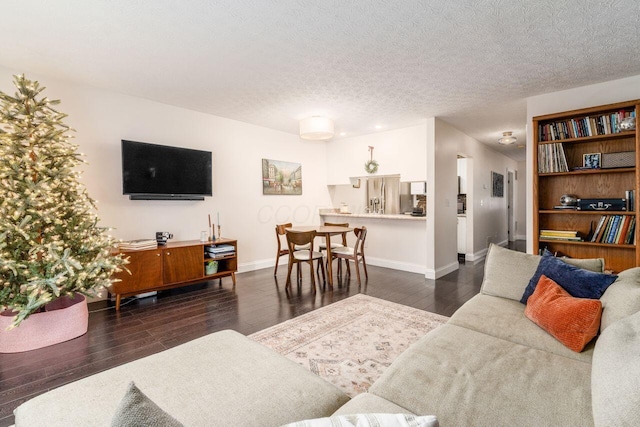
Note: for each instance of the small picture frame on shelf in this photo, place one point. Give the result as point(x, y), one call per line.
point(591, 160)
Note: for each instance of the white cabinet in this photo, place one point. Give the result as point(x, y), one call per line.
point(462, 235)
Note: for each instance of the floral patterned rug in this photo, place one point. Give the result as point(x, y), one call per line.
point(351, 342)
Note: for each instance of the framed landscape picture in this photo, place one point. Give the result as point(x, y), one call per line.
point(497, 184)
point(281, 178)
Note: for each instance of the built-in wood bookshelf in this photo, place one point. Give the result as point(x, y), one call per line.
point(579, 132)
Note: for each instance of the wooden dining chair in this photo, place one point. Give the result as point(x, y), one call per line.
point(355, 254)
point(282, 251)
point(299, 239)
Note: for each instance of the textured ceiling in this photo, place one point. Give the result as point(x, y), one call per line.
point(362, 63)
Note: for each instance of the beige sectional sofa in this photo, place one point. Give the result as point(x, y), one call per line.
point(488, 366)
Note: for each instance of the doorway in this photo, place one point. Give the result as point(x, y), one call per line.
point(462, 204)
point(510, 231)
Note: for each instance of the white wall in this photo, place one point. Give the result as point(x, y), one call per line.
point(582, 97)
point(103, 118)
point(429, 152)
point(400, 151)
point(486, 215)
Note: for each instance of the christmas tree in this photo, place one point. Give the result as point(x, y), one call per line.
point(50, 241)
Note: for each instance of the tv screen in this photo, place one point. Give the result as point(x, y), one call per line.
point(160, 172)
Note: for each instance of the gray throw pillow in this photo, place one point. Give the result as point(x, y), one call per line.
point(507, 272)
point(136, 409)
point(622, 298)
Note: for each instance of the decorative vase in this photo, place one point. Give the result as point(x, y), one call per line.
point(63, 319)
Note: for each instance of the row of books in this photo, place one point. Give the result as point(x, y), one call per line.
point(551, 158)
point(568, 235)
point(604, 124)
point(137, 245)
point(615, 229)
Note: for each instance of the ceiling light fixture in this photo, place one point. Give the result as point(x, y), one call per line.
point(316, 128)
point(507, 138)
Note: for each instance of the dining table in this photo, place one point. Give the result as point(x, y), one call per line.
point(325, 231)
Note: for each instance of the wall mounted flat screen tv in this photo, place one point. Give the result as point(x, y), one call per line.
point(160, 172)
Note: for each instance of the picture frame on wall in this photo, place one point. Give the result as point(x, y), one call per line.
point(591, 160)
point(497, 184)
point(280, 178)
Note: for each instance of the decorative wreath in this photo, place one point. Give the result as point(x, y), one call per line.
point(371, 166)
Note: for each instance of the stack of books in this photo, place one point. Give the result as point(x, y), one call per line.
point(219, 251)
point(615, 229)
point(569, 235)
point(136, 245)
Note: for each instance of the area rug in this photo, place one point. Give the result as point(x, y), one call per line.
point(351, 342)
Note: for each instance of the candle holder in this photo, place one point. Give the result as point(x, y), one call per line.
point(219, 233)
point(212, 234)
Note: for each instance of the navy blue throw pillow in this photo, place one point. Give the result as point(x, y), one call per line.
point(578, 282)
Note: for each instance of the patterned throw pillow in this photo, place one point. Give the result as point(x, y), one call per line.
point(572, 321)
point(370, 420)
point(136, 409)
point(578, 282)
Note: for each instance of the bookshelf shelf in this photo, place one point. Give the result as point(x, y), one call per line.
point(568, 154)
point(589, 172)
point(602, 245)
point(618, 135)
point(575, 212)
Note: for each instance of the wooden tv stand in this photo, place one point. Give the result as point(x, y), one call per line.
point(172, 265)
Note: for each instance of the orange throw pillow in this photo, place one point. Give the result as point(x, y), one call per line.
point(572, 321)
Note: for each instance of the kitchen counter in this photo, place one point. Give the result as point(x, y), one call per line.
point(393, 241)
point(332, 212)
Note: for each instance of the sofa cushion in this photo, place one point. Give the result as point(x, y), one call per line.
point(622, 298)
point(507, 272)
point(616, 374)
point(369, 403)
point(220, 379)
point(370, 420)
point(577, 281)
point(572, 321)
point(469, 378)
point(504, 318)
point(137, 410)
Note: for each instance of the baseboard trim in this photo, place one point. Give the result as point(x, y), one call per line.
point(260, 264)
point(378, 262)
point(397, 265)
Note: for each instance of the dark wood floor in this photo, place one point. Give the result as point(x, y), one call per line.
point(147, 326)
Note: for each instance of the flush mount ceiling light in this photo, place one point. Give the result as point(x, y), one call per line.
point(316, 128)
point(507, 138)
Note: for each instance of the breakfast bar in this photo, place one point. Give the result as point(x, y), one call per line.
point(395, 241)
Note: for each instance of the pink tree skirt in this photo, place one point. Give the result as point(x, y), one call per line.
point(63, 320)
